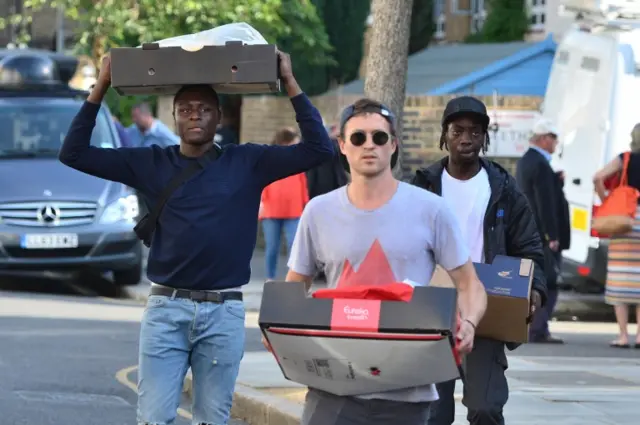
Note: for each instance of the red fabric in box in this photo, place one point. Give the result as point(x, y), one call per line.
point(391, 292)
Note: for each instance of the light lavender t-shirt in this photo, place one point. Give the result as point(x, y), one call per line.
point(400, 241)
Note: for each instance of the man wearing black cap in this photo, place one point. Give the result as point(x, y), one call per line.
point(375, 231)
point(202, 246)
point(495, 219)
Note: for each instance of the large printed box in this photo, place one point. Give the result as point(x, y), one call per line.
point(352, 346)
point(508, 284)
point(231, 68)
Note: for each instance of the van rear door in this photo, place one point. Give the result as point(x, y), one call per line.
point(580, 104)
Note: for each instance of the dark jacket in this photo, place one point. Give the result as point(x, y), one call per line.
point(564, 220)
point(327, 176)
point(540, 184)
point(508, 225)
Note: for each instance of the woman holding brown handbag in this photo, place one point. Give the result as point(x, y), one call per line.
point(619, 217)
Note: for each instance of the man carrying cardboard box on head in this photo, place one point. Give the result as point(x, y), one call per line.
point(202, 246)
point(495, 219)
point(377, 231)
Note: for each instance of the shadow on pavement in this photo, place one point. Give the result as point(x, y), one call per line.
point(55, 283)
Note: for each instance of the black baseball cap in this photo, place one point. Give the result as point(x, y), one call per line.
point(351, 110)
point(465, 105)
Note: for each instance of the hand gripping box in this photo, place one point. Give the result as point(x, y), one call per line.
point(234, 67)
point(352, 346)
point(508, 284)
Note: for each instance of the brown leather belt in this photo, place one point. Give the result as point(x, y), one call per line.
point(198, 296)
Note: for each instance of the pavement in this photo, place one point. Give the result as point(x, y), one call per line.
point(77, 355)
point(584, 381)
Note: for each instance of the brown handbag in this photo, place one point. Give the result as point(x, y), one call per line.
point(617, 213)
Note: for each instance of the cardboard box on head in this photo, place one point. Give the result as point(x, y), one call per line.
point(360, 346)
point(508, 284)
point(234, 67)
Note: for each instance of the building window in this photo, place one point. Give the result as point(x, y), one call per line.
point(478, 15)
point(440, 19)
point(537, 14)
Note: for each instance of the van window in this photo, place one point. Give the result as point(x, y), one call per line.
point(562, 57)
point(590, 63)
point(36, 128)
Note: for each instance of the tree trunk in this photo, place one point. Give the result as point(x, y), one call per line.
point(386, 73)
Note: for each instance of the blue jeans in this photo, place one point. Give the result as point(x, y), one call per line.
point(272, 229)
point(177, 333)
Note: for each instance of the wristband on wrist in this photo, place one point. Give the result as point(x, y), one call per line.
point(471, 323)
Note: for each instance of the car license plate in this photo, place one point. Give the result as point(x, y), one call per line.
point(579, 218)
point(50, 241)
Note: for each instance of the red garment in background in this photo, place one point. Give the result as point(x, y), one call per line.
point(612, 182)
point(285, 198)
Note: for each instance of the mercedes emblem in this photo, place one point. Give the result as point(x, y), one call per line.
point(48, 215)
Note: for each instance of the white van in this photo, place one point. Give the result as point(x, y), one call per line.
point(593, 96)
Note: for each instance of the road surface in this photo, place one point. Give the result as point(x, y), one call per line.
point(68, 352)
point(66, 358)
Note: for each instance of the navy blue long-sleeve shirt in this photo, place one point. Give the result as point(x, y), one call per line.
point(206, 233)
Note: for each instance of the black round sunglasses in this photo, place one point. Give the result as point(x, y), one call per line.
point(379, 137)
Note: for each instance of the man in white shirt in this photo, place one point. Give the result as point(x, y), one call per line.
point(495, 219)
point(378, 230)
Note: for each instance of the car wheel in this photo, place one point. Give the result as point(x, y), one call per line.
point(128, 277)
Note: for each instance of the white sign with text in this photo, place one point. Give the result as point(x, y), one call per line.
point(514, 132)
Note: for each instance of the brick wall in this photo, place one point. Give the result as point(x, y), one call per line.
point(263, 115)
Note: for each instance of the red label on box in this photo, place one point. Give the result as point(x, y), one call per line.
point(355, 315)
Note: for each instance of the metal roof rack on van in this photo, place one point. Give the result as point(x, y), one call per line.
point(611, 14)
point(41, 90)
point(37, 73)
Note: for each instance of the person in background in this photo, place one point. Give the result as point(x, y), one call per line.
point(623, 268)
point(495, 219)
point(122, 133)
point(389, 231)
point(564, 237)
point(225, 134)
point(147, 130)
point(541, 186)
point(329, 175)
point(281, 206)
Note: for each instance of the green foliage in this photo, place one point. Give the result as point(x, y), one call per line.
point(508, 20)
point(103, 24)
point(121, 106)
point(345, 23)
point(422, 26)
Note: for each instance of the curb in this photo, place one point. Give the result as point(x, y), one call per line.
point(257, 407)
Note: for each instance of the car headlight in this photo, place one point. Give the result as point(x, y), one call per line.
point(123, 209)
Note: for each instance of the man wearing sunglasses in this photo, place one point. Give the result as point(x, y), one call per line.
point(495, 218)
point(375, 231)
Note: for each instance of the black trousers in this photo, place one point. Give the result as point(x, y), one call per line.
point(485, 392)
point(322, 408)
